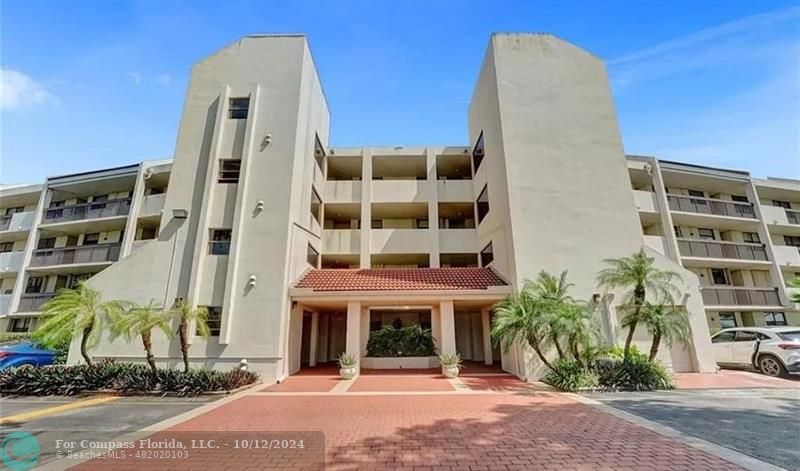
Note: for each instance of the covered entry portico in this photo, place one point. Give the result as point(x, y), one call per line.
point(454, 303)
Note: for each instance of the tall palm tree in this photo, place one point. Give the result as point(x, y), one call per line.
point(519, 318)
point(638, 274)
point(186, 315)
point(664, 322)
point(139, 321)
point(79, 311)
point(551, 293)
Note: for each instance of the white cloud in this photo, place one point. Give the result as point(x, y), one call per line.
point(164, 80)
point(18, 90)
point(136, 77)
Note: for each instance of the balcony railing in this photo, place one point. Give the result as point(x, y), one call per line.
point(740, 296)
point(793, 216)
point(33, 301)
point(694, 204)
point(78, 254)
point(5, 221)
point(87, 211)
point(721, 249)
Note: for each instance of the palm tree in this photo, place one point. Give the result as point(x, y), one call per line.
point(79, 311)
point(186, 315)
point(519, 318)
point(796, 294)
point(579, 326)
point(139, 321)
point(668, 323)
point(551, 293)
point(638, 274)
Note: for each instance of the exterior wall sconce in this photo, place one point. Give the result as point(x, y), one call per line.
point(267, 140)
point(180, 213)
point(251, 283)
point(260, 205)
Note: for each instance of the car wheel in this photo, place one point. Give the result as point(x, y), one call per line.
point(771, 366)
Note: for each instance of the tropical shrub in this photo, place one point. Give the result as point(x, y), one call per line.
point(569, 375)
point(391, 341)
point(347, 361)
point(450, 359)
point(121, 377)
point(636, 373)
point(6, 337)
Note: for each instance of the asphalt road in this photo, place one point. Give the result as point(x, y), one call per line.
point(98, 422)
point(762, 423)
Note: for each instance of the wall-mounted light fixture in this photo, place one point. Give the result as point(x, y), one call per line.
point(180, 213)
point(267, 140)
point(260, 205)
point(251, 283)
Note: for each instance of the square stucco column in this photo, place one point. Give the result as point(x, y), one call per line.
point(353, 343)
point(487, 338)
point(447, 343)
point(312, 350)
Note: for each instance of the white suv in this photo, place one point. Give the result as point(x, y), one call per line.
point(777, 352)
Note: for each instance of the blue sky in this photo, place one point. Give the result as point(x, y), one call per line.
point(87, 85)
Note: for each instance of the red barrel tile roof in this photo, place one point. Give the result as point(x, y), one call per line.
point(399, 279)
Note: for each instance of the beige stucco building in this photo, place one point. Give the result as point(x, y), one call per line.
point(299, 250)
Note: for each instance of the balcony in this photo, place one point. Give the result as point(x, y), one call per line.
point(30, 302)
point(400, 191)
point(80, 212)
point(5, 222)
point(740, 296)
point(342, 191)
point(645, 201)
point(400, 241)
point(341, 241)
point(711, 206)
point(153, 205)
point(454, 191)
point(11, 262)
point(102, 253)
point(5, 304)
point(787, 255)
point(19, 222)
point(721, 249)
point(793, 216)
point(656, 243)
point(458, 240)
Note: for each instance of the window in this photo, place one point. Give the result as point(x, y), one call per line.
point(238, 107)
point(706, 233)
point(483, 204)
point(782, 204)
point(740, 199)
point(15, 210)
point(775, 318)
point(220, 243)
point(35, 284)
point(213, 321)
point(718, 276)
point(422, 224)
point(677, 231)
point(316, 206)
point(6, 247)
point(56, 204)
point(377, 224)
point(312, 256)
point(487, 255)
point(723, 337)
point(751, 237)
point(793, 241)
point(46, 243)
point(229, 171)
point(697, 193)
point(477, 154)
point(99, 198)
point(746, 336)
point(727, 320)
point(91, 239)
point(19, 325)
point(319, 152)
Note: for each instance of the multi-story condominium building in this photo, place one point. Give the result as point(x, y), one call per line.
point(299, 250)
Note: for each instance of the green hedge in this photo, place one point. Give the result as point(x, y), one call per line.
point(121, 377)
point(637, 373)
point(390, 341)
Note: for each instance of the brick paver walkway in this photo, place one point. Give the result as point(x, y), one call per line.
point(545, 431)
point(732, 379)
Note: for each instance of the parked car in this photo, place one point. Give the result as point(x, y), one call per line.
point(774, 351)
point(24, 353)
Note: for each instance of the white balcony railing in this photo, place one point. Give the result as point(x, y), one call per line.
point(83, 211)
point(152, 205)
point(458, 240)
point(11, 262)
point(341, 241)
point(645, 201)
point(77, 254)
point(5, 304)
point(17, 222)
point(787, 255)
point(722, 249)
point(712, 206)
point(454, 191)
point(343, 191)
point(740, 296)
point(399, 241)
point(400, 191)
point(774, 215)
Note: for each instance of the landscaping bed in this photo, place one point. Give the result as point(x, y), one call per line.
point(120, 378)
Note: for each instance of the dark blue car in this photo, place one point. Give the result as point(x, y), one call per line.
point(17, 354)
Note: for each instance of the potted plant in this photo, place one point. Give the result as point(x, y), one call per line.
point(347, 366)
point(451, 364)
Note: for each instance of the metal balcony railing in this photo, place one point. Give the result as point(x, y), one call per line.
point(740, 296)
point(77, 254)
point(694, 204)
point(29, 302)
point(5, 221)
point(78, 212)
point(793, 216)
point(721, 249)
